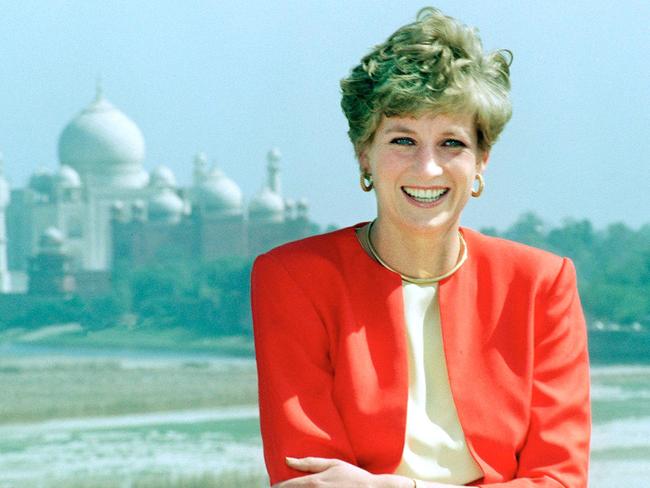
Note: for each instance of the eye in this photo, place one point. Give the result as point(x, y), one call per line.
point(453, 143)
point(403, 141)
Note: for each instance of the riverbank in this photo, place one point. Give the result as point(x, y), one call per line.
point(58, 385)
point(121, 338)
point(606, 346)
point(123, 418)
point(127, 419)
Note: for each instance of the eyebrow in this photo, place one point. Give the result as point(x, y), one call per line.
point(456, 132)
point(398, 128)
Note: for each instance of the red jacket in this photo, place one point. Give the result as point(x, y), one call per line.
point(332, 359)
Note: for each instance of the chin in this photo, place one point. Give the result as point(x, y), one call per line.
point(434, 225)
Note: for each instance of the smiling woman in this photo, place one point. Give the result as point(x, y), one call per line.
point(409, 351)
point(423, 169)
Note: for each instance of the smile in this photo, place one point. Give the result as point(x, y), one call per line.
point(425, 195)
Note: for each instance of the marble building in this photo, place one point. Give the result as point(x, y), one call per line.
point(101, 205)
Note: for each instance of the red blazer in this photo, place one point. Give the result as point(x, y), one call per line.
point(332, 359)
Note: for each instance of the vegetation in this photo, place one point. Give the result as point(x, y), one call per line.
point(211, 300)
point(207, 298)
point(96, 387)
point(203, 299)
point(613, 264)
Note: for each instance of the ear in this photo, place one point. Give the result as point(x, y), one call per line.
point(364, 164)
point(482, 161)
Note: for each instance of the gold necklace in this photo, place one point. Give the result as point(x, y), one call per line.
point(412, 279)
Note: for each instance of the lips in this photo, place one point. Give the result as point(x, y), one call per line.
point(425, 195)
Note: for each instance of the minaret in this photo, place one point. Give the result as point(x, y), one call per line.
point(273, 171)
point(200, 168)
point(5, 284)
point(99, 90)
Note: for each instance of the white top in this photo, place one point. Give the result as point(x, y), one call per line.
point(435, 448)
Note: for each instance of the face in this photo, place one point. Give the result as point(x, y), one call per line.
point(423, 169)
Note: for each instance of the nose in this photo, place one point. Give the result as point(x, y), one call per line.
point(428, 163)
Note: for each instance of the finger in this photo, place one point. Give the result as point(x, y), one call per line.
point(311, 464)
point(297, 482)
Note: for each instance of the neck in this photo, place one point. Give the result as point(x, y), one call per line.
point(417, 254)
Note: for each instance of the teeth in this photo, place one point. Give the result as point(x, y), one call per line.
point(425, 195)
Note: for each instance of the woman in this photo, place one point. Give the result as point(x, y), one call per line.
point(409, 351)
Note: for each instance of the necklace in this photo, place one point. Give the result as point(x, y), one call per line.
point(412, 279)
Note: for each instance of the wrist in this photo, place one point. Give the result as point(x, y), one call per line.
point(393, 481)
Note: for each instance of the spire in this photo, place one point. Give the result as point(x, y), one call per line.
point(200, 168)
point(99, 89)
point(273, 170)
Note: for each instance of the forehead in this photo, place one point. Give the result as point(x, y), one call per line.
point(463, 122)
point(429, 122)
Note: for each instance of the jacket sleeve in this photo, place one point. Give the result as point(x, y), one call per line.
point(556, 452)
point(298, 416)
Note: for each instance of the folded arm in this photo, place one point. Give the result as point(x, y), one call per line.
point(297, 413)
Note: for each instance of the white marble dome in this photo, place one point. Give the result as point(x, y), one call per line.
point(162, 177)
point(219, 193)
point(165, 206)
point(266, 204)
point(67, 177)
point(104, 146)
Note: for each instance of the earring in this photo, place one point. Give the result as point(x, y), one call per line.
point(365, 180)
point(481, 185)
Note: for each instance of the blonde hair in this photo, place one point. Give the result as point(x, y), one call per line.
point(433, 65)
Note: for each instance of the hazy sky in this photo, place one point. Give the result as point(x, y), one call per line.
point(235, 78)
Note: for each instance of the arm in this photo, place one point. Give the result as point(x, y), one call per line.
point(298, 416)
point(297, 413)
point(556, 451)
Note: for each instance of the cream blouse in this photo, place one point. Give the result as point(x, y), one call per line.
point(435, 448)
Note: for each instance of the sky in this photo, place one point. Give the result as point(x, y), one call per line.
point(236, 78)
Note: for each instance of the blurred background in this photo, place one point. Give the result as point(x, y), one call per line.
point(150, 150)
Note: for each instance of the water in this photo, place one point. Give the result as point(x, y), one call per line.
point(191, 442)
point(620, 453)
point(118, 448)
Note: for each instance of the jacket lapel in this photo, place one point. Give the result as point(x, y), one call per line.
point(462, 339)
point(376, 295)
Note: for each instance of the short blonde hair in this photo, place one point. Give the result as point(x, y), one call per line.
point(433, 65)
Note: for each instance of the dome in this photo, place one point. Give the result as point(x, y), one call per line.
point(162, 177)
point(266, 204)
point(165, 206)
point(118, 210)
point(42, 181)
point(218, 192)
point(68, 177)
point(105, 145)
point(51, 239)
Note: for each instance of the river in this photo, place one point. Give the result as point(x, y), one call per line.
point(191, 442)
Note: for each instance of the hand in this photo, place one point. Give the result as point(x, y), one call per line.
point(326, 473)
point(335, 473)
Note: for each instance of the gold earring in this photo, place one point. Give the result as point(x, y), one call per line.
point(365, 180)
point(481, 185)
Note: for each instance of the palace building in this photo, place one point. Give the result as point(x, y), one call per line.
point(102, 207)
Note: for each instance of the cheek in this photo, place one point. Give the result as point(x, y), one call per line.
point(386, 172)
